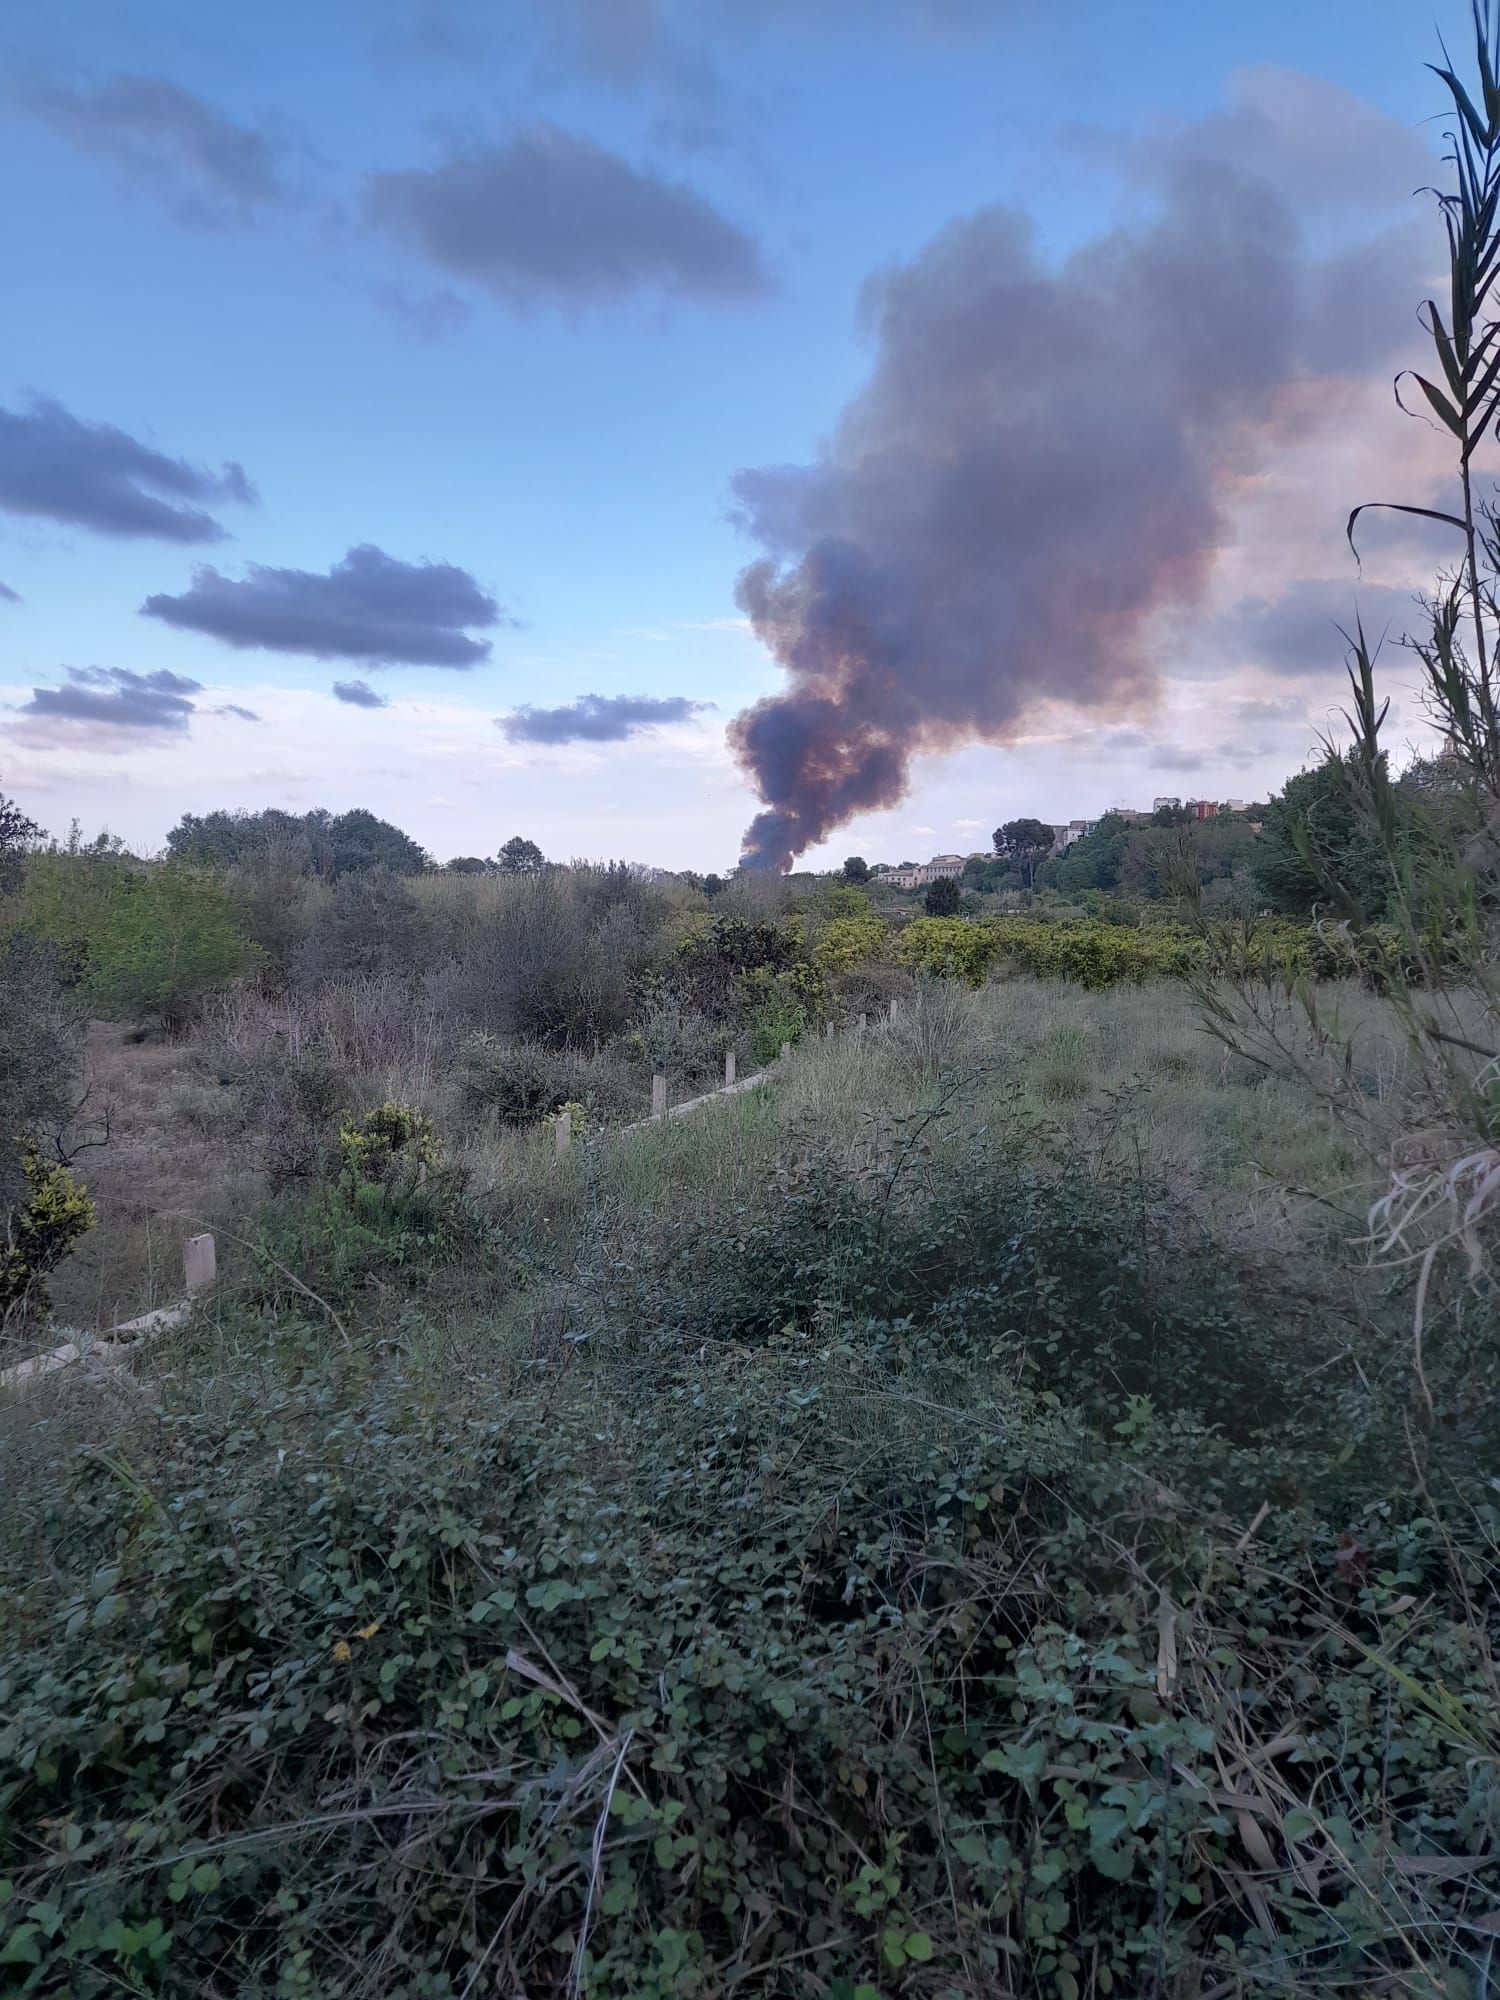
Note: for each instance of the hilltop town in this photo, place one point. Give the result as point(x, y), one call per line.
point(1165, 810)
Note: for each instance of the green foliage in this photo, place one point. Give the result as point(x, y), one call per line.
point(317, 843)
point(777, 1018)
point(50, 1215)
point(844, 944)
point(1315, 836)
point(39, 1048)
point(65, 900)
point(390, 1140)
point(394, 1214)
point(1023, 843)
point(163, 939)
point(943, 898)
point(949, 948)
point(1092, 862)
point(520, 857)
point(370, 925)
point(847, 1694)
point(856, 869)
point(17, 832)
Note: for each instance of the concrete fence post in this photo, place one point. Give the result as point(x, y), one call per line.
point(658, 1097)
point(198, 1262)
point(728, 1068)
point(562, 1136)
point(864, 1022)
point(786, 1050)
point(828, 1031)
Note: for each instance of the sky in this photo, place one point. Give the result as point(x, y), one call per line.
point(652, 426)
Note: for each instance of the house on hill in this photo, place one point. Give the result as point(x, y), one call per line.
point(941, 868)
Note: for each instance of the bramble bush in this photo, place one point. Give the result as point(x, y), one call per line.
point(338, 1682)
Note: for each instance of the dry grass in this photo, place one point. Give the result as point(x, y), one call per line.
point(175, 1163)
point(1129, 1073)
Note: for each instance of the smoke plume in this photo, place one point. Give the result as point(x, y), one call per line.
point(1043, 455)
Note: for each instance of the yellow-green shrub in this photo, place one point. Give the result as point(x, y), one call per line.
point(54, 1212)
point(391, 1136)
point(949, 947)
point(844, 944)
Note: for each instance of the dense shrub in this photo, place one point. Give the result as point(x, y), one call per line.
point(392, 1214)
point(322, 843)
point(522, 1083)
point(1095, 1285)
point(167, 938)
point(772, 1681)
point(369, 926)
point(41, 1226)
point(39, 1056)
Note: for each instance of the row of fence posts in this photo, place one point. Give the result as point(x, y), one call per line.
point(562, 1124)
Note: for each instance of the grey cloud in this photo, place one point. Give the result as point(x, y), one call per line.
point(1301, 631)
point(240, 714)
point(209, 170)
point(1169, 758)
point(93, 475)
point(596, 718)
point(117, 698)
point(358, 694)
point(621, 40)
point(9, 596)
point(1284, 708)
point(552, 217)
point(370, 606)
point(1041, 464)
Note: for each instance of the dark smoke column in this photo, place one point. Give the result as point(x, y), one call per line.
point(1033, 471)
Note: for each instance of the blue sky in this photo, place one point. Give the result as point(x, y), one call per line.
point(568, 434)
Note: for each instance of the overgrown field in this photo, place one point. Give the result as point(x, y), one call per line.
point(957, 1520)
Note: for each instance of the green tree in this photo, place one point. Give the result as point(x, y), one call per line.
point(469, 864)
point(1314, 836)
point(325, 843)
point(943, 898)
point(357, 843)
point(521, 857)
point(856, 869)
point(1093, 862)
point(1024, 843)
point(172, 937)
point(16, 834)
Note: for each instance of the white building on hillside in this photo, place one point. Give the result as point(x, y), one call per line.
point(941, 868)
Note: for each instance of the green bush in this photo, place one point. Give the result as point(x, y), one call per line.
point(774, 1680)
point(777, 1019)
point(52, 1213)
point(387, 1142)
point(393, 1214)
point(164, 940)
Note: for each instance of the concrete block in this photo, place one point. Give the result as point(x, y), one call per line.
point(199, 1267)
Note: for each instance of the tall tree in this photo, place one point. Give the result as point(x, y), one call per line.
point(1024, 843)
point(943, 898)
point(521, 857)
point(16, 831)
point(856, 869)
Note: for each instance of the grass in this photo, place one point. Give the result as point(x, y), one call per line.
point(948, 1521)
point(1129, 1072)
